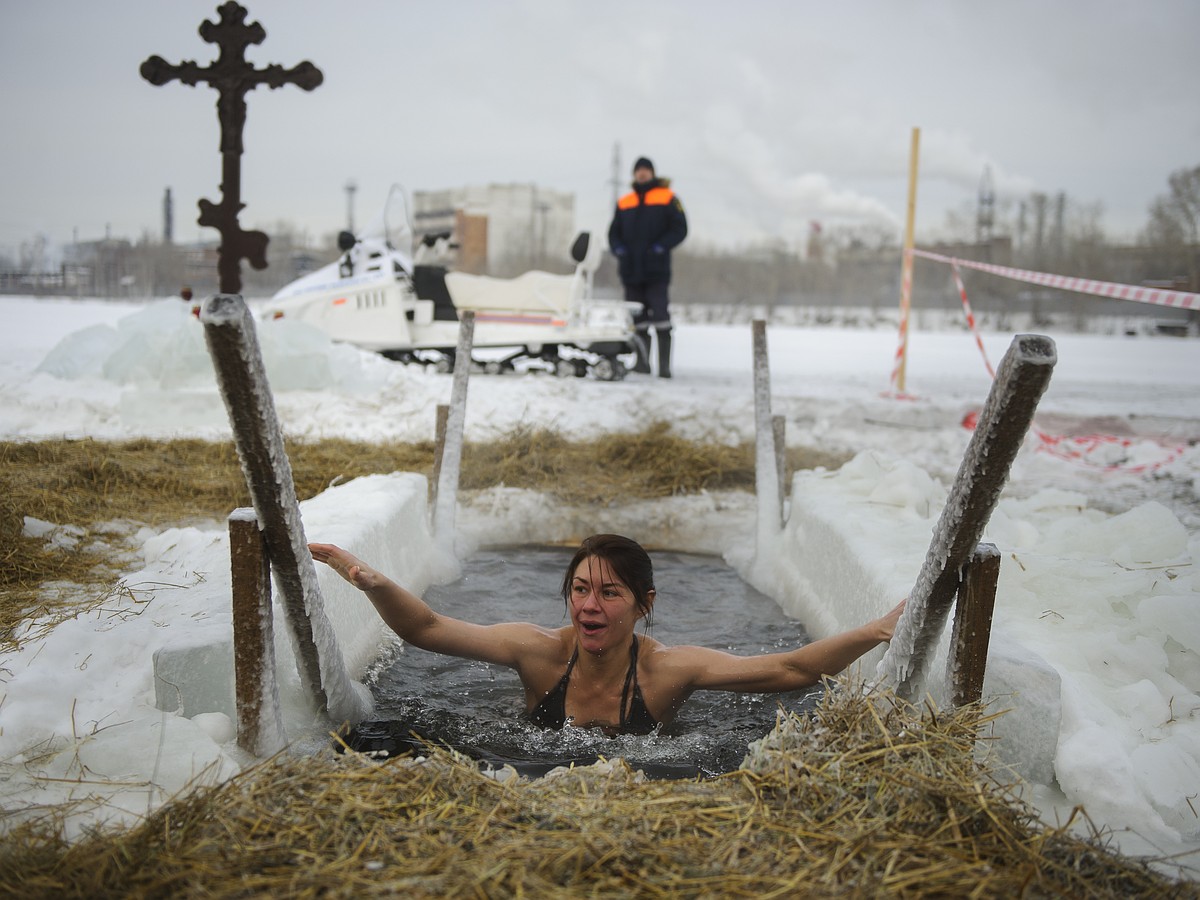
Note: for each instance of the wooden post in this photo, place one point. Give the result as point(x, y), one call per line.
point(439, 450)
point(232, 341)
point(766, 468)
point(1020, 381)
point(906, 263)
point(972, 629)
point(451, 465)
point(779, 432)
point(259, 724)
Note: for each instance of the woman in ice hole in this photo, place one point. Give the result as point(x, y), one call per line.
point(596, 672)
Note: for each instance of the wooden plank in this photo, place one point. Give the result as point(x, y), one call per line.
point(451, 464)
point(766, 469)
point(972, 630)
point(259, 723)
point(232, 341)
point(779, 432)
point(1021, 378)
point(439, 450)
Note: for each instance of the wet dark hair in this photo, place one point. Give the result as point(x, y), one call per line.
point(629, 562)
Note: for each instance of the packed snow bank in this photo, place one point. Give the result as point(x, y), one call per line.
point(1107, 605)
point(161, 347)
point(133, 701)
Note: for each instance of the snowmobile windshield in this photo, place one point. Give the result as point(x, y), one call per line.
point(393, 225)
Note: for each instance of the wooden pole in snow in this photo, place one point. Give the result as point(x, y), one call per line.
point(439, 449)
point(451, 467)
point(259, 724)
point(906, 262)
point(972, 630)
point(233, 345)
point(1020, 381)
point(766, 468)
point(779, 436)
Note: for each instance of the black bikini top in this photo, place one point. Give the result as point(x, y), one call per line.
point(635, 717)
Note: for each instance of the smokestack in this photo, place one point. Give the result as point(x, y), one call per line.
point(168, 218)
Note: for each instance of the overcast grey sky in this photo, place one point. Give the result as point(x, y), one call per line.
point(766, 115)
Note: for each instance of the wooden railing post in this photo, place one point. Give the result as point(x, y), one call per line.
point(972, 629)
point(1021, 378)
point(439, 450)
point(232, 340)
point(766, 465)
point(259, 724)
point(779, 433)
point(451, 463)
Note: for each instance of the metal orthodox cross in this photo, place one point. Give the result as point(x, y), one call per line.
point(232, 76)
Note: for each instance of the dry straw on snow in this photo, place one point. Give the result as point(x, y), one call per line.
point(107, 490)
point(870, 798)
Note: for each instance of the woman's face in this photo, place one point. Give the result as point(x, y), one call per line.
point(603, 609)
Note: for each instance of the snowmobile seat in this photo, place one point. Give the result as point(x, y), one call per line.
point(534, 291)
point(430, 284)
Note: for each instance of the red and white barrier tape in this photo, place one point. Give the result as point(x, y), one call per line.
point(899, 360)
point(1081, 449)
point(1180, 299)
point(905, 305)
point(962, 292)
point(1073, 449)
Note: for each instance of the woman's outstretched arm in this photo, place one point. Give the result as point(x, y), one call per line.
point(414, 621)
point(715, 670)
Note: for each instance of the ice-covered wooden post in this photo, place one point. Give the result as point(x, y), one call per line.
point(451, 464)
point(259, 725)
point(779, 435)
point(972, 630)
point(766, 468)
point(1020, 381)
point(233, 345)
point(439, 448)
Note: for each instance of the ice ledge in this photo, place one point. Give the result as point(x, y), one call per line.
point(835, 567)
point(381, 518)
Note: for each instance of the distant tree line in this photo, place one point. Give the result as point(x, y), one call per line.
point(860, 267)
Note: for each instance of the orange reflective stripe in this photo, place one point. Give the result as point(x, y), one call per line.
point(659, 196)
point(654, 197)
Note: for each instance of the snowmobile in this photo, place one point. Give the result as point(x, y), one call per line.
point(379, 297)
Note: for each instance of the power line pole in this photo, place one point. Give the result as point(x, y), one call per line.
point(351, 187)
point(168, 218)
point(615, 179)
point(986, 213)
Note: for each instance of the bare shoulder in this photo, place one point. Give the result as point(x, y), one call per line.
point(704, 668)
point(671, 674)
point(678, 662)
point(541, 654)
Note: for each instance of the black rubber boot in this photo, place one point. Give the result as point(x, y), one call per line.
point(641, 341)
point(664, 352)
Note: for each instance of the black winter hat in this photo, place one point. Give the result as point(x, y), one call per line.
point(643, 163)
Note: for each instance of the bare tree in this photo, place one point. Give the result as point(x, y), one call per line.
point(1174, 227)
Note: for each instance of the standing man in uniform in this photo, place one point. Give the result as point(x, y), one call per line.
point(647, 225)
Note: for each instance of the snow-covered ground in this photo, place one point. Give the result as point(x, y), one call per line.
point(1099, 584)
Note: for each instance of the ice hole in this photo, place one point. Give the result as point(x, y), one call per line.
point(478, 708)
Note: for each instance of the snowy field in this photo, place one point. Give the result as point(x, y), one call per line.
point(1099, 527)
